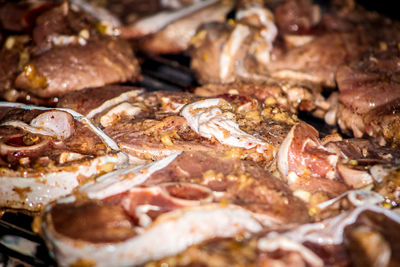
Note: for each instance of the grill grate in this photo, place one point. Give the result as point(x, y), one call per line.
point(168, 73)
point(20, 246)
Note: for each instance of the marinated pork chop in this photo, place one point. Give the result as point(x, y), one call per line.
point(369, 95)
point(318, 169)
point(234, 50)
point(89, 100)
point(318, 60)
point(230, 50)
point(181, 200)
point(160, 27)
point(289, 96)
point(46, 153)
point(66, 50)
point(297, 16)
point(368, 238)
point(299, 43)
point(150, 126)
point(175, 35)
point(95, 64)
point(306, 164)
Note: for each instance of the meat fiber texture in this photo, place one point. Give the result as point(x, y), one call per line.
point(46, 153)
point(181, 200)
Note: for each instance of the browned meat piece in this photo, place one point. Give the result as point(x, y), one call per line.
point(220, 252)
point(98, 223)
point(349, 16)
point(245, 49)
point(150, 126)
point(17, 16)
point(374, 81)
point(326, 168)
point(8, 68)
point(12, 16)
point(175, 36)
point(318, 60)
point(66, 50)
point(370, 95)
point(286, 95)
point(367, 238)
point(205, 52)
point(89, 99)
point(235, 51)
point(249, 192)
point(159, 27)
point(373, 241)
point(191, 197)
point(74, 67)
point(241, 251)
point(307, 165)
point(129, 11)
point(361, 162)
point(46, 153)
point(58, 22)
point(365, 164)
point(296, 16)
point(387, 183)
point(369, 248)
point(223, 53)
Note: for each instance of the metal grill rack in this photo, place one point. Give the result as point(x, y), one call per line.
point(19, 246)
point(168, 73)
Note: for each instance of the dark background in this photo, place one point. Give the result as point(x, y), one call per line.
point(390, 8)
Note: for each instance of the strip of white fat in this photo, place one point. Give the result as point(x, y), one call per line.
point(330, 231)
point(26, 127)
point(174, 4)
point(57, 124)
point(99, 13)
point(266, 19)
point(174, 232)
point(117, 112)
point(76, 116)
point(275, 242)
point(114, 101)
point(207, 119)
point(69, 156)
point(122, 180)
point(379, 172)
point(32, 193)
point(356, 197)
point(140, 212)
point(283, 153)
point(140, 152)
point(61, 40)
point(268, 31)
point(227, 59)
point(5, 148)
point(155, 23)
